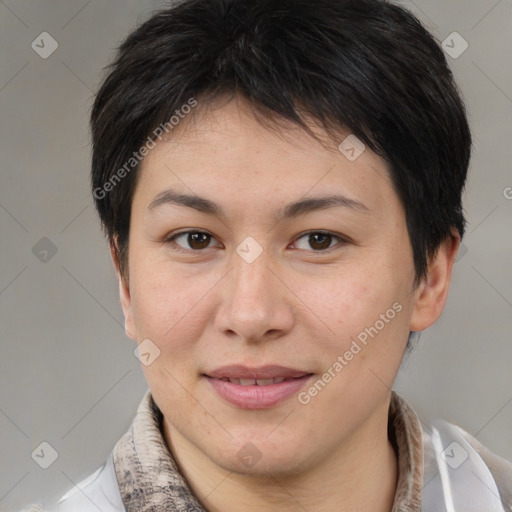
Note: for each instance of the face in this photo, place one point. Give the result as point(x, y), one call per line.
point(287, 260)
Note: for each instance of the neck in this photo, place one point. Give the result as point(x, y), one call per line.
point(361, 475)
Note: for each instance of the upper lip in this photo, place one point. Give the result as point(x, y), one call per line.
point(262, 372)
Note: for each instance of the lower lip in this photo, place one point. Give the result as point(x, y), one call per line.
point(258, 397)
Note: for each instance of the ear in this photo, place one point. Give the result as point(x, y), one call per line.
point(432, 292)
point(124, 295)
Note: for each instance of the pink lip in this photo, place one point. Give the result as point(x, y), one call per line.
point(254, 396)
point(263, 372)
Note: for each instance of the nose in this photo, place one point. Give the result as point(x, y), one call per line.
point(256, 305)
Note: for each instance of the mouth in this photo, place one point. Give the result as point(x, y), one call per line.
point(260, 382)
point(256, 388)
point(247, 375)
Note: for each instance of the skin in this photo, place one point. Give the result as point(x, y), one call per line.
point(294, 305)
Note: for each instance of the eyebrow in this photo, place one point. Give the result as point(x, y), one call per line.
point(291, 210)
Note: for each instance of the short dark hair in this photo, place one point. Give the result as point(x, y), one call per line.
point(364, 65)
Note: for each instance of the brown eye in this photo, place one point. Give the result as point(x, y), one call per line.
point(320, 241)
point(196, 240)
point(317, 240)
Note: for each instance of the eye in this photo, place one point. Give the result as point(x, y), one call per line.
point(196, 240)
point(319, 240)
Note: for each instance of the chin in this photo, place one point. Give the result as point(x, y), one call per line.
point(261, 459)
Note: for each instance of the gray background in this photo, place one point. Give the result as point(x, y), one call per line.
point(68, 375)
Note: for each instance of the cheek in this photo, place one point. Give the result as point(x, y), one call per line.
point(171, 310)
point(363, 315)
point(168, 306)
point(350, 298)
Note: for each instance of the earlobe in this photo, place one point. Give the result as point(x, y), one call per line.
point(124, 296)
point(432, 293)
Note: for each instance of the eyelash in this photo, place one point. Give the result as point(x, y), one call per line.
point(341, 240)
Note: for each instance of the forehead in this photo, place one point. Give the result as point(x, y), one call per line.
point(228, 149)
point(229, 119)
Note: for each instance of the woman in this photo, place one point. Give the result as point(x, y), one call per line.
point(280, 184)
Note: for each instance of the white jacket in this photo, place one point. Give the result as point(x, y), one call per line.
point(459, 474)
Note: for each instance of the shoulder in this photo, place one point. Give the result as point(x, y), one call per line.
point(500, 468)
point(99, 491)
point(460, 470)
